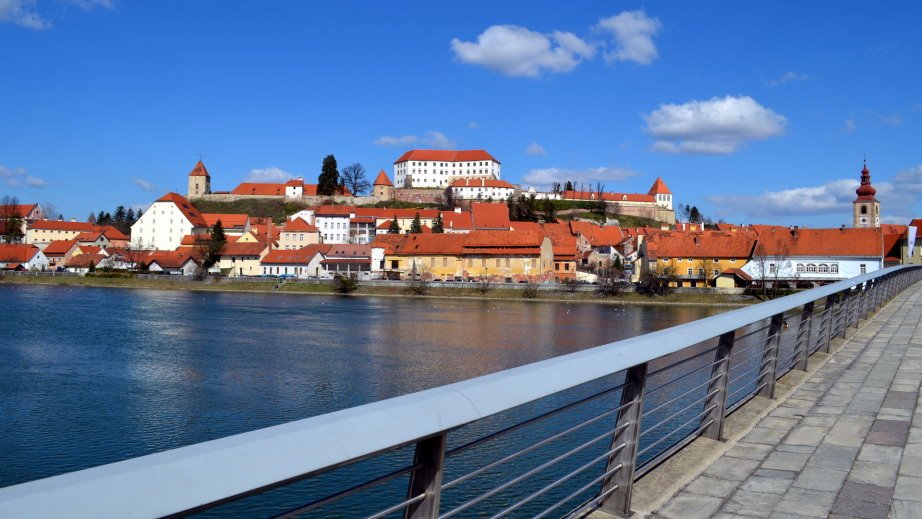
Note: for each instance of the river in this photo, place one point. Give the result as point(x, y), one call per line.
point(93, 375)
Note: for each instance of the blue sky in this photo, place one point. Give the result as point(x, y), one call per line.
point(754, 112)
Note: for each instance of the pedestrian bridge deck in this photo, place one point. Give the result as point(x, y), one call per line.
point(845, 442)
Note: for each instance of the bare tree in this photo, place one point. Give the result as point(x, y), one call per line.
point(485, 283)
point(706, 268)
point(419, 280)
point(11, 222)
point(51, 212)
point(531, 287)
point(771, 268)
point(658, 278)
point(353, 177)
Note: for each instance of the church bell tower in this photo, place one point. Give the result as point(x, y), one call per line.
point(866, 208)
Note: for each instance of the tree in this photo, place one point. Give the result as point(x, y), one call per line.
point(394, 227)
point(416, 226)
point(346, 284)
point(10, 220)
point(485, 283)
point(353, 178)
point(130, 218)
point(51, 212)
point(419, 280)
point(438, 227)
point(328, 182)
point(694, 215)
point(549, 210)
point(657, 278)
point(92, 267)
point(769, 268)
point(706, 267)
point(555, 188)
point(91, 219)
point(568, 186)
point(531, 287)
point(210, 249)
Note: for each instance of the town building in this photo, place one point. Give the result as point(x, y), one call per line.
point(656, 204)
point(383, 188)
point(199, 181)
point(234, 224)
point(42, 232)
point(166, 222)
point(439, 168)
point(866, 208)
point(236, 259)
point(481, 189)
point(22, 256)
point(298, 234)
point(301, 263)
point(695, 259)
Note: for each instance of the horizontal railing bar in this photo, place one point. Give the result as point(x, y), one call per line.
point(673, 399)
point(751, 333)
point(677, 429)
point(681, 362)
point(237, 466)
point(388, 511)
point(681, 377)
point(534, 419)
point(678, 413)
point(567, 477)
point(595, 501)
point(481, 470)
point(528, 473)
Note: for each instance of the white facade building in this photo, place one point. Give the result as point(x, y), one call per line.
point(481, 189)
point(439, 168)
point(164, 224)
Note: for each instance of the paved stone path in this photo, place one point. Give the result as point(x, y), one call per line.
point(847, 443)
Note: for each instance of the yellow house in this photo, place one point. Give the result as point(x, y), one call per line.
point(298, 234)
point(696, 259)
point(242, 259)
point(42, 232)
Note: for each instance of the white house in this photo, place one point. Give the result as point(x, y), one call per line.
point(19, 256)
point(164, 224)
point(439, 168)
point(302, 263)
point(815, 256)
point(481, 189)
point(333, 222)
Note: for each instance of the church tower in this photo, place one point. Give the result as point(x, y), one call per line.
point(199, 181)
point(866, 208)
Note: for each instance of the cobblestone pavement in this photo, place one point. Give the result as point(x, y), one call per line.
point(847, 443)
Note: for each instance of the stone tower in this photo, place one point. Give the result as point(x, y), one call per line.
point(199, 181)
point(383, 188)
point(866, 208)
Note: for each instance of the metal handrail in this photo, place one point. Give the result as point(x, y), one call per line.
point(203, 475)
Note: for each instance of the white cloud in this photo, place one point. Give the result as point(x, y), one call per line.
point(544, 178)
point(22, 13)
point(715, 126)
point(89, 5)
point(849, 125)
point(788, 77)
point(16, 178)
point(633, 33)
point(438, 140)
point(909, 180)
point(403, 140)
point(270, 175)
point(535, 149)
point(886, 119)
point(472, 125)
point(516, 51)
point(143, 184)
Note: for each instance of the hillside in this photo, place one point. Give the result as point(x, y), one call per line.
point(258, 207)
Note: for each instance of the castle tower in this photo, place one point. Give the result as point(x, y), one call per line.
point(866, 208)
point(383, 188)
point(199, 181)
point(661, 193)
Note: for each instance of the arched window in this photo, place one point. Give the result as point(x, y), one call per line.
point(834, 268)
point(811, 267)
point(824, 267)
point(800, 267)
point(864, 209)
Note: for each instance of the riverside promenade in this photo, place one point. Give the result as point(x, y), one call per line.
point(846, 441)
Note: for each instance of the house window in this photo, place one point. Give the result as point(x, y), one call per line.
point(716, 272)
point(507, 262)
point(864, 268)
point(824, 268)
point(444, 262)
point(557, 266)
point(701, 272)
point(811, 267)
point(431, 262)
point(690, 271)
point(497, 262)
point(834, 268)
point(395, 264)
point(800, 267)
point(483, 262)
point(772, 268)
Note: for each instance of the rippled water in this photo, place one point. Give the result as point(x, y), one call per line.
point(90, 376)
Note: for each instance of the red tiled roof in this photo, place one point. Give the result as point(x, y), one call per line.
point(335, 210)
point(481, 182)
point(89, 236)
point(490, 216)
point(254, 188)
point(17, 252)
point(446, 156)
point(112, 233)
point(420, 244)
point(191, 240)
point(228, 221)
point(59, 247)
point(916, 222)
point(299, 225)
point(821, 242)
point(90, 249)
point(84, 260)
point(348, 250)
point(699, 244)
point(186, 208)
point(56, 225)
point(383, 179)
point(301, 256)
point(199, 170)
point(168, 259)
point(242, 249)
point(452, 221)
point(22, 210)
point(740, 273)
point(659, 188)
point(608, 197)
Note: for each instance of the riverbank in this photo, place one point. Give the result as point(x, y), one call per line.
point(328, 289)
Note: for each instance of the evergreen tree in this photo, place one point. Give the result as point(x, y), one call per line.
point(694, 215)
point(568, 186)
point(416, 226)
point(92, 267)
point(438, 226)
point(214, 245)
point(91, 218)
point(328, 182)
point(394, 228)
point(101, 218)
point(549, 210)
point(120, 215)
point(129, 217)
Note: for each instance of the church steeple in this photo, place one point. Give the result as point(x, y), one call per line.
point(866, 208)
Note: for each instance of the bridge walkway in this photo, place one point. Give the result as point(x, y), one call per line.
point(847, 443)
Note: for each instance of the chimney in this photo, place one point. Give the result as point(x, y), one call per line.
point(843, 227)
point(73, 219)
point(458, 210)
point(483, 182)
point(697, 240)
point(794, 230)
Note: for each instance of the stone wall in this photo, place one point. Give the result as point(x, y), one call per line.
point(420, 195)
point(307, 200)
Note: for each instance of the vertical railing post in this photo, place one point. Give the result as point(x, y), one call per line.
point(617, 487)
point(848, 307)
point(427, 478)
point(869, 303)
point(828, 320)
point(804, 331)
point(765, 386)
point(712, 422)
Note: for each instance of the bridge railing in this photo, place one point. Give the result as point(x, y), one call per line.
point(558, 437)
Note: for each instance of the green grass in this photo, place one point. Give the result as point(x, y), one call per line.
point(273, 208)
point(398, 204)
